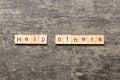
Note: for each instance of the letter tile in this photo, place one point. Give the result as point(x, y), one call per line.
point(42, 39)
point(100, 39)
point(59, 39)
point(67, 39)
point(91, 39)
point(75, 39)
point(34, 39)
point(83, 39)
point(18, 39)
point(26, 39)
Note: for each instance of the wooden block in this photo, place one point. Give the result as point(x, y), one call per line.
point(42, 39)
point(26, 39)
point(91, 39)
point(100, 39)
point(18, 39)
point(34, 39)
point(59, 39)
point(83, 39)
point(75, 39)
point(67, 39)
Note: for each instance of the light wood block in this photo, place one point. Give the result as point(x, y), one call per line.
point(34, 39)
point(42, 39)
point(18, 39)
point(83, 39)
point(59, 39)
point(67, 39)
point(100, 39)
point(91, 39)
point(75, 39)
point(26, 39)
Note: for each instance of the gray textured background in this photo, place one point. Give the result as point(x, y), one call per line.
point(53, 62)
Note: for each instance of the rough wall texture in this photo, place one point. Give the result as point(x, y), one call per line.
point(53, 62)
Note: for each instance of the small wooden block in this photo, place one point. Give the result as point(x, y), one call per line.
point(18, 39)
point(75, 39)
point(100, 39)
point(67, 39)
point(83, 39)
point(42, 39)
point(59, 39)
point(34, 39)
point(26, 39)
point(91, 39)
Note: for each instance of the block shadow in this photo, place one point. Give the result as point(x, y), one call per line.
point(80, 45)
point(31, 44)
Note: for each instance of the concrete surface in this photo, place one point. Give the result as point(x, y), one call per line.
point(53, 62)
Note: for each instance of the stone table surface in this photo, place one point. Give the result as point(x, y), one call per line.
point(64, 62)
